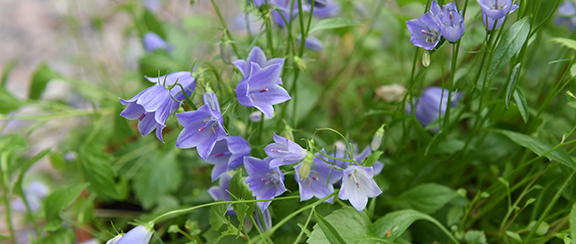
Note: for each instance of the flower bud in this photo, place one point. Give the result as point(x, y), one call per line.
point(300, 63)
point(306, 164)
point(287, 133)
point(225, 52)
point(377, 139)
point(426, 59)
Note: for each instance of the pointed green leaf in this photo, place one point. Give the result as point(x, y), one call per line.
point(394, 224)
point(158, 177)
point(426, 197)
point(573, 221)
point(57, 201)
point(522, 104)
point(333, 23)
point(512, 40)
point(8, 102)
point(41, 77)
point(239, 190)
point(370, 160)
point(511, 88)
point(329, 231)
point(97, 169)
point(351, 225)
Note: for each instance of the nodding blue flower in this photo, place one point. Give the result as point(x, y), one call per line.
point(267, 220)
point(281, 14)
point(431, 103)
point(490, 24)
point(319, 180)
point(325, 8)
point(34, 193)
point(153, 42)
point(358, 157)
point(358, 185)
point(451, 23)
point(566, 14)
point(496, 9)
point(263, 181)
point(152, 106)
point(202, 129)
point(220, 192)
point(212, 101)
point(257, 56)
point(312, 43)
point(227, 154)
point(425, 31)
point(318, 3)
point(139, 235)
point(260, 88)
point(284, 152)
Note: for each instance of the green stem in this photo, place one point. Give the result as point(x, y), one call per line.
point(225, 28)
point(5, 182)
point(304, 227)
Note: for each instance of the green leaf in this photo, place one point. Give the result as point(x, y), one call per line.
point(512, 40)
point(351, 225)
point(17, 189)
point(218, 216)
point(8, 102)
point(370, 160)
point(159, 176)
point(394, 224)
point(57, 201)
point(62, 236)
point(569, 43)
point(514, 235)
point(153, 24)
point(573, 221)
point(329, 231)
point(121, 127)
point(475, 237)
point(539, 147)
point(6, 72)
point(239, 190)
point(12, 142)
point(97, 169)
point(522, 104)
point(41, 77)
point(511, 88)
point(426, 198)
point(333, 23)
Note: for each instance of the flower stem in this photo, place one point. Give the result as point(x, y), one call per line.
point(225, 28)
point(5, 182)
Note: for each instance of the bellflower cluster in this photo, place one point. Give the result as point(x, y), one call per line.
point(319, 180)
point(439, 22)
point(495, 12)
point(263, 181)
point(358, 185)
point(284, 152)
point(153, 42)
point(152, 106)
point(566, 14)
point(431, 103)
point(260, 88)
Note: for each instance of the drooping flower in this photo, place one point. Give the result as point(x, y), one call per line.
point(495, 11)
point(260, 88)
point(263, 181)
point(318, 182)
point(566, 14)
point(212, 101)
point(377, 139)
point(431, 103)
point(451, 23)
point(267, 220)
point(358, 185)
point(153, 42)
point(425, 31)
point(358, 157)
point(258, 56)
point(220, 192)
point(227, 155)
point(284, 152)
point(312, 43)
point(153, 105)
point(202, 129)
point(139, 235)
point(34, 193)
point(325, 8)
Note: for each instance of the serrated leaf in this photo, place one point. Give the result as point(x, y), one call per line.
point(8, 102)
point(159, 176)
point(329, 231)
point(370, 160)
point(97, 170)
point(512, 80)
point(539, 147)
point(332, 23)
point(239, 190)
point(394, 224)
point(426, 198)
point(57, 201)
point(522, 104)
point(42, 76)
point(569, 43)
point(512, 40)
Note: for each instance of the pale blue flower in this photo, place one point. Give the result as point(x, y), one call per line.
point(263, 181)
point(284, 152)
point(202, 129)
point(358, 185)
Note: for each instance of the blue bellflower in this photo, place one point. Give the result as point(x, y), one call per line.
point(263, 181)
point(425, 31)
point(153, 42)
point(325, 8)
point(138, 235)
point(227, 155)
point(358, 157)
point(312, 43)
point(202, 129)
point(212, 101)
point(358, 185)
point(152, 106)
point(258, 56)
point(431, 103)
point(451, 23)
point(260, 88)
point(284, 152)
point(566, 14)
point(267, 220)
point(283, 11)
point(319, 181)
point(495, 11)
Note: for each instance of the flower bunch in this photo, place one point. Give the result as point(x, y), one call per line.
point(445, 21)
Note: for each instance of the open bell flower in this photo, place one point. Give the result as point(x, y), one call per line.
point(139, 235)
point(260, 88)
point(284, 152)
point(451, 23)
point(432, 103)
point(256, 55)
point(495, 11)
point(319, 179)
point(152, 106)
point(202, 129)
point(227, 154)
point(358, 185)
point(425, 31)
point(263, 181)
point(566, 14)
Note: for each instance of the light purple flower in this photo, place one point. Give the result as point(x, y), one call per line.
point(495, 9)
point(153, 105)
point(283, 10)
point(260, 88)
point(138, 235)
point(451, 23)
point(318, 183)
point(567, 14)
point(490, 25)
point(330, 9)
point(153, 42)
point(212, 101)
point(425, 31)
point(227, 155)
point(431, 103)
point(312, 43)
point(202, 129)
point(220, 192)
point(358, 185)
point(284, 152)
point(34, 192)
point(263, 181)
point(267, 220)
point(257, 56)
point(358, 157)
